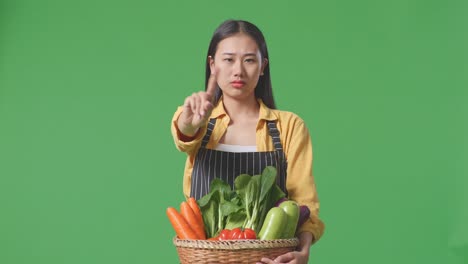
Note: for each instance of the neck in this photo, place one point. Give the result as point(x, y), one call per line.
point(241, 109)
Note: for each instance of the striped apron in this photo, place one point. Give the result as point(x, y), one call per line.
point(210, 163)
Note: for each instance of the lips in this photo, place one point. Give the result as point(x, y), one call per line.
point(237, 84)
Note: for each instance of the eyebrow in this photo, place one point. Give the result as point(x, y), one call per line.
point(246, 54)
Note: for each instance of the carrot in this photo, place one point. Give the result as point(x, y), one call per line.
point(182, 228)
point(192, 220)
point(193, 204)
point(196, 209)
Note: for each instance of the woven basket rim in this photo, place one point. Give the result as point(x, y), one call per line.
point(237, 244)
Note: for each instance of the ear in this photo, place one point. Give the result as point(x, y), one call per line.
point(210, 62)
point(264, 64)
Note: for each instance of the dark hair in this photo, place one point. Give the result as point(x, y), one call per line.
point(229, 28)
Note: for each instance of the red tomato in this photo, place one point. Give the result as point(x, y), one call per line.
point(247, 233)
point(225, 234)
point(236, 233)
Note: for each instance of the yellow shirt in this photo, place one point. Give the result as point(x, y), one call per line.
point(297, 146)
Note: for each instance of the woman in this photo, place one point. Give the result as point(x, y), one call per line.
point(233, 127)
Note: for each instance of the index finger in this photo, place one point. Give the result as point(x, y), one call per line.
point(211, 86)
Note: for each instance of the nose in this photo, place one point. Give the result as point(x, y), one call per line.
point(238, 68)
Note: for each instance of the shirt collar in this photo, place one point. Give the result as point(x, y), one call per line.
point(265, 112)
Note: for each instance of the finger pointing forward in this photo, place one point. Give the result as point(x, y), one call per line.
point(211, 86)
point(209, 96)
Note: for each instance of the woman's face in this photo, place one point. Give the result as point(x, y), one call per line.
point(238, 65)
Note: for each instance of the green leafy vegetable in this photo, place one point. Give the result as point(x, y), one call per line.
point(246, 206)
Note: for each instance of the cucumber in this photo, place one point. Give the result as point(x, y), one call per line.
point(291, 209)
point(273, 225)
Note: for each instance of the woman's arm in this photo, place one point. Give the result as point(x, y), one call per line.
point(190, 119)
point(301, 188)
point(300, 181)
point(183, 142)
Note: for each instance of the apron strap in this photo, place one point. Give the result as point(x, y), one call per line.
point(209, 130)
point(275, 135)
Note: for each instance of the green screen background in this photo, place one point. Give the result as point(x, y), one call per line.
point(88, 88)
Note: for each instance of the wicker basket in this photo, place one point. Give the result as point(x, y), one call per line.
point(232, 251)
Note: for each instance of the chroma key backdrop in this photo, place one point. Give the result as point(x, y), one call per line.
point(88, 165)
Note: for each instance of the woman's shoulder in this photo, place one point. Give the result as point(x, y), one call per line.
point(288, 116)
point(282, 117)
point(289, 121)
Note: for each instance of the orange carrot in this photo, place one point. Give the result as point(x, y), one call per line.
point(182, 228)
point(196, 209)
point(192, 220)
point(193, 204)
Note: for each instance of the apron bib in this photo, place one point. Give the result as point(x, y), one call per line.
point(210, 164)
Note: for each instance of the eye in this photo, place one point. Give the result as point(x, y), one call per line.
point(250, 60)
point(227, 59)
